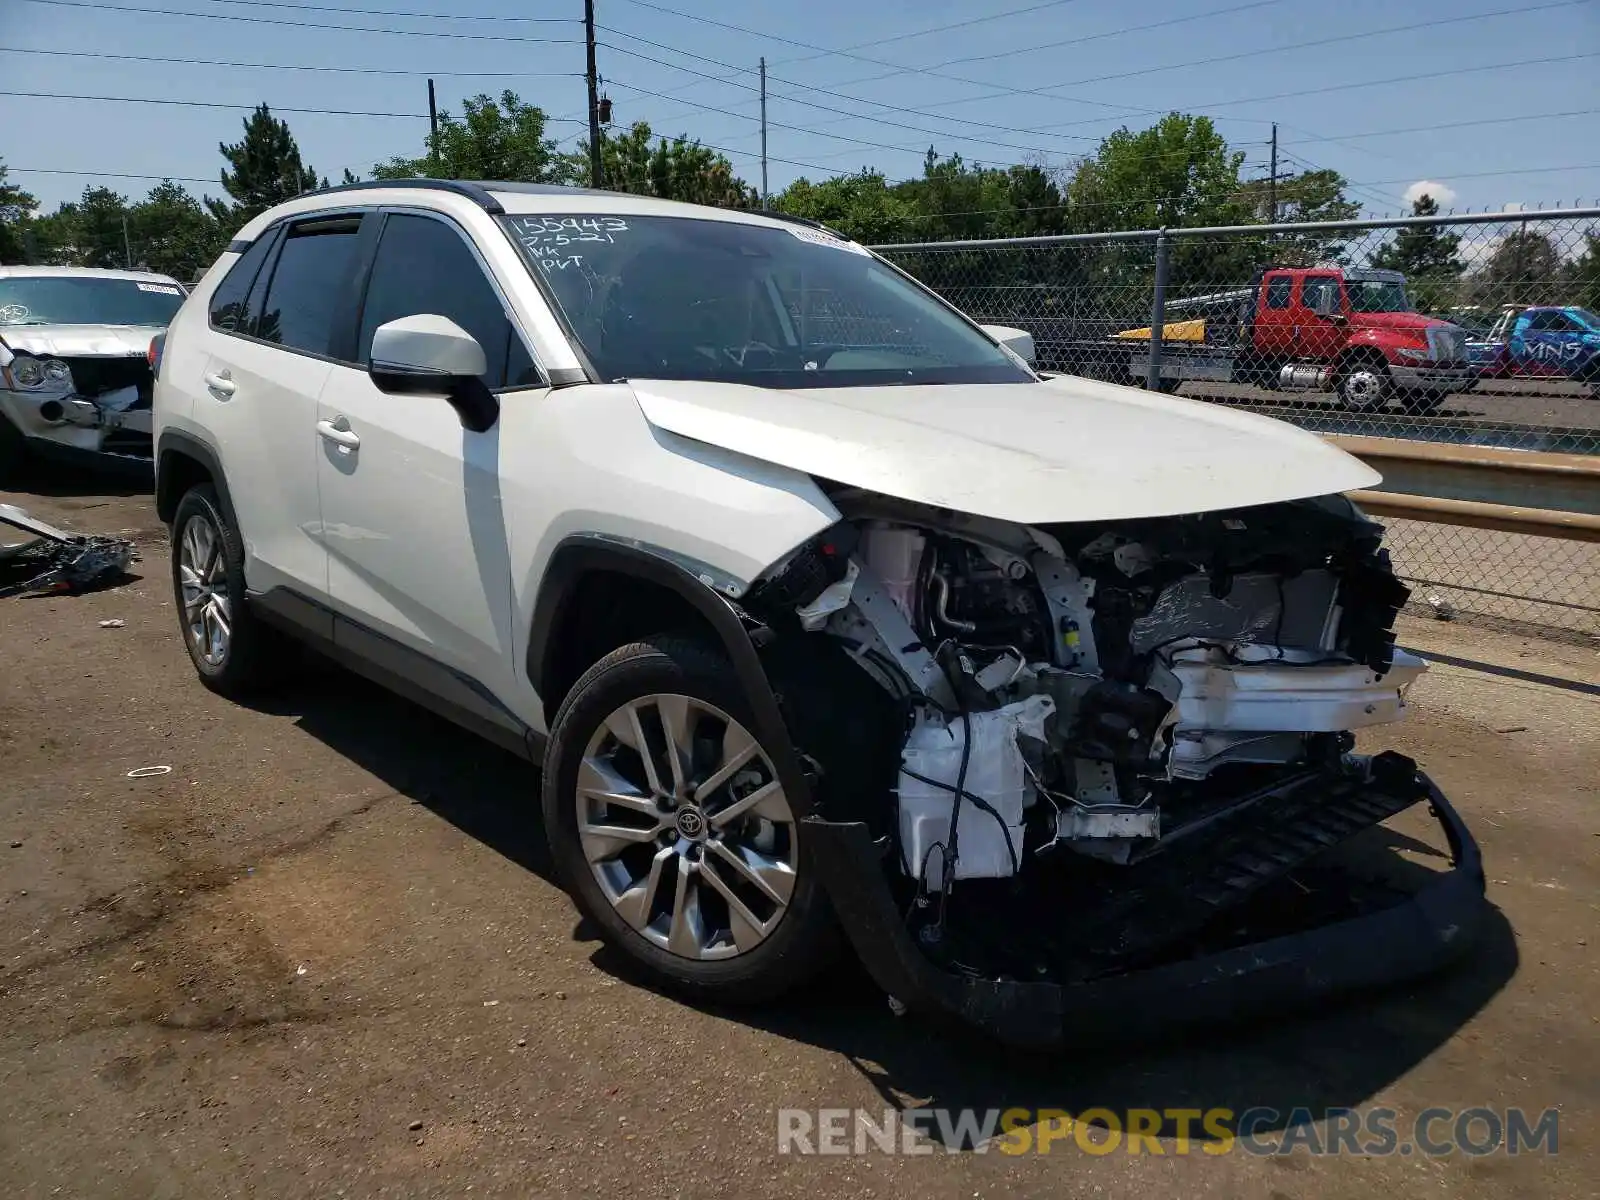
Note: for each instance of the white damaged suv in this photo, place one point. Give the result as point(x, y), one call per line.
point(830, 621)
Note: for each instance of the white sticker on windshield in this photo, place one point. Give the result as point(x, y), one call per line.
point(818, 238)
point(164, 289)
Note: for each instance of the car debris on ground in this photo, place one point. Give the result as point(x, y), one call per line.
point(50, 560)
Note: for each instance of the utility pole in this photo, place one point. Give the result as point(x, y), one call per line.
point(766, 197)
point(127, 246)
point(433, 130)
point(1272, 178)
point(594, 97)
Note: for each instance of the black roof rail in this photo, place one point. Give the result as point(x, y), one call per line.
point(475, 192)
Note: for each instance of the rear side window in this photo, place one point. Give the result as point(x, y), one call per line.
point(1278, 292)
point(425, 266)
point(309, 285)
point(230, 311)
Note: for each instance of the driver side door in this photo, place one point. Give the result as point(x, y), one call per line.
point(418, 557)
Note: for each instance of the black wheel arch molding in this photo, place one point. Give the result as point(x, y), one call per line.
point(705, 589)
point(175, 444)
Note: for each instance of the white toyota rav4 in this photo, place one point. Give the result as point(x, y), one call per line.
point(828, 618)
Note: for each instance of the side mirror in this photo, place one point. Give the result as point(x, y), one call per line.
point(1018, 341)
point(427, 354)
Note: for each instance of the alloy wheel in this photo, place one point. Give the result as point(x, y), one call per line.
point(202, 578)
point(686, 828)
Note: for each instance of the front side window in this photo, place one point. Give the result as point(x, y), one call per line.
point(1378, 296)
point(85, 300)
point(1278, 291)
point(691, 298)
point(1550, 321)
point(1320, 289)
point(308, 285)
point(424, 266)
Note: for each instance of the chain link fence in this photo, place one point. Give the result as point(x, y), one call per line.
point(1475, 330)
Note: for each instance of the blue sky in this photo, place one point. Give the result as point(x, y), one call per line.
point(1003, 86)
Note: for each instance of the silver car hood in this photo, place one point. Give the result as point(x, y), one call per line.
point(79, 341)
point(1065, 449)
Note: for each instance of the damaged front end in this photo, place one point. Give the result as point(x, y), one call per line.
point(1079, 779)
point(91, 405)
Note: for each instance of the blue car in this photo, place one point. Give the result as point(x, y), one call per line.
point(1542, 342)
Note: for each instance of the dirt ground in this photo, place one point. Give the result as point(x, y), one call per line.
point(323, 957)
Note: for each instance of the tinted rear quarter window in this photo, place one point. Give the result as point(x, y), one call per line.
point(309, 285)
point(229, 311)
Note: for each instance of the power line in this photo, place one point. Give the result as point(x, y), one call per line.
point(213, 62)
point(845, 95)
point(845, 51)
point(813, 104)
point(1072, 41)
point(280, 21)
point(390, 12)
point(1550, 116)
point(1456, 20)
point(330, 112)
point(1370, 83)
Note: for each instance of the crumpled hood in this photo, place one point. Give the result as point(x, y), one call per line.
point(83, 341)
point(1066, 449)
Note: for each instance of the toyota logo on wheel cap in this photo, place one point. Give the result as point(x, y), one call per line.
point(690, 823)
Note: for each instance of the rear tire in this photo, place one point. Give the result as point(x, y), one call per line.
point(657, 882)
point(233, 652)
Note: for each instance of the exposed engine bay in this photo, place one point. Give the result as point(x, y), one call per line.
point(1109, 693)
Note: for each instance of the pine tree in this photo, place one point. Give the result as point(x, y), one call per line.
point(266, 171)
point(16, 206)
point(1427, 256)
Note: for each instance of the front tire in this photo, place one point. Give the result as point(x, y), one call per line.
point(669, 825)
point(233, 653)
point(1364, 386)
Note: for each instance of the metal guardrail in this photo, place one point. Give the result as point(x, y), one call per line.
point(1513, 491)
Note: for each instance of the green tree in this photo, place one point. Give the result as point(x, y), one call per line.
point(491, 140)
point(1308, 196)
point(637, 161)
point(1584, 274)
point(1178, 172)
point(1525, 268)
point(172, 233)
point(862, 206)
point(266, 170)
point(87, 232)
point(1424, 249)
point(16, 208)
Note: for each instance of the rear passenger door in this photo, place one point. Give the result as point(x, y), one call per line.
point(411, 505)
point(278, 321)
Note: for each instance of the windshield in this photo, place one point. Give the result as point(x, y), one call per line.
point(1377, 296)
point(691, 298)
point(65, 300)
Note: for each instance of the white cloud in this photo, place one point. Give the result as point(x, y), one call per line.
point(1443, 194)
point(1513, 206)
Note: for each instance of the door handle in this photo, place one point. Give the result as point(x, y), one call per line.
point(220, 384)
point(344, 438)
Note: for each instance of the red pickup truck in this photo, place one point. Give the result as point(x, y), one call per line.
point(1350, 331)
